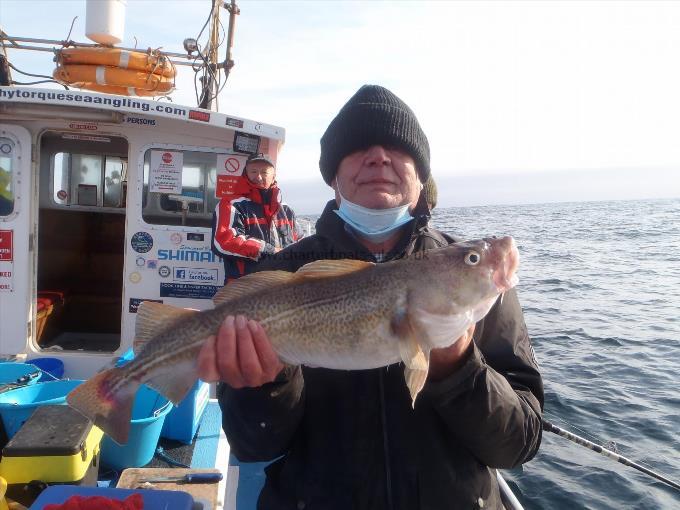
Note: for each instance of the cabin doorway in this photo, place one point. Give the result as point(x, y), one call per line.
point(81, 241)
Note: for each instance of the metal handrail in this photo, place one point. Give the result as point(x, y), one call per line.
point(510, 501)
point(189, 60)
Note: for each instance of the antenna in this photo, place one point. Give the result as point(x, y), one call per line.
point(210, 82)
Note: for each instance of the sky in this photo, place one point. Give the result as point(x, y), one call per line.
point(522, 102)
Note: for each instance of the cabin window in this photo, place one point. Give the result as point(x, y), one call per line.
point(95, 180)
point(7, 164)
point(182, 188)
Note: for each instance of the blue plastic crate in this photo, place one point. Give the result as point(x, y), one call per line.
point(183, 420)
point(153, 499)
point(53, 368)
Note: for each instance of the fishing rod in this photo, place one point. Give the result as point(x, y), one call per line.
point(549, 427)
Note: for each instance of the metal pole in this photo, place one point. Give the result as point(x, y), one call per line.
point(209, 93)
point(233, 12)
point(14, 40)
point(549, 427)
point(51, 50)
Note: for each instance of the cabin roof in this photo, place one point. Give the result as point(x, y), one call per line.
point(55, 99)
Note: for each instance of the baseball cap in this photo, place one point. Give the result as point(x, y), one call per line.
point(260, 157)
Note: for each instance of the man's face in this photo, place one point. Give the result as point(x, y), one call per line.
point(261, 174)
point(378, 178)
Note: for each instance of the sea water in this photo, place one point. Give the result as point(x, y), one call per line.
point(600, 289)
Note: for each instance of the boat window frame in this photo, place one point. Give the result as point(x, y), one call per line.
point(74, 206)
point(14, 172)
point(105, 159)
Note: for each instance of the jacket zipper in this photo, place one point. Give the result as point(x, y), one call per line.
point(383, 415)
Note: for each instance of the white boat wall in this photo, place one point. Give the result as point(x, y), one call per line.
point(110, 203)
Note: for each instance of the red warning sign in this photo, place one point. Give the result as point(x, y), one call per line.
point(228, 185)
point(167, 157)
point(230, 179)
point(6, 250)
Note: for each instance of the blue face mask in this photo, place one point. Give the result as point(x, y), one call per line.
point(376, 225)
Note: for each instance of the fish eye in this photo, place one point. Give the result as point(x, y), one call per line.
point(472, 258)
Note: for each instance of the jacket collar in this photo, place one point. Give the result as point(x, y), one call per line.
point(269, 198)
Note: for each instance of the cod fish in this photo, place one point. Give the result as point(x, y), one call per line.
point(338, 314)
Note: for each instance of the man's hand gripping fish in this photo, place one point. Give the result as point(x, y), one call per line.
point(338, 314)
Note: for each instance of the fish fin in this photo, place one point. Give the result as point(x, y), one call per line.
point(416, 366)
point(176, 382)
point(416, 360)
point(152, 318)
point(291, 390)
point(415, 379)
point(327, 268)
point(251, 283)
point(107, 399)
point(413, 355)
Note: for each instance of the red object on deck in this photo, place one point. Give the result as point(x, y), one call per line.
point(47, 303)
point(133, 502)
point(57, 297)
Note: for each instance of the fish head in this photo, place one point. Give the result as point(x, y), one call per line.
point(465, 276)
point(452, 288)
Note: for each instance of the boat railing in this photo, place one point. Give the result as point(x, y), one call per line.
point(510, 501)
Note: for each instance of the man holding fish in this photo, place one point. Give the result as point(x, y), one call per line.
point(359, 438)
point(372, 360)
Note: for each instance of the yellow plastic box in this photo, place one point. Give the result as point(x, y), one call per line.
point(55, 445)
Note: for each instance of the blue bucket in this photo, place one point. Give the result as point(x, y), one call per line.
point(18, 373)
point(148, 415)
point(53, 367)
point(17, 406)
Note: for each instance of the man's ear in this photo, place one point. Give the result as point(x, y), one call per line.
point(334, 186)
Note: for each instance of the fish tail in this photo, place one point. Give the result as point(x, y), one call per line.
point(107, 400)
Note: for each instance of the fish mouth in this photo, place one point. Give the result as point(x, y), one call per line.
point(507, 261)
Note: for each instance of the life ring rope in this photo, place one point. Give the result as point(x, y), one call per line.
point(106, 75)
point(151, 60)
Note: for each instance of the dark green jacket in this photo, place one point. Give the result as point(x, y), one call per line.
point(354, 442)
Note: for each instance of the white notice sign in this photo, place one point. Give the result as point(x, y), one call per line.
point(165, 175)
point(6, 276)
point(230, 164)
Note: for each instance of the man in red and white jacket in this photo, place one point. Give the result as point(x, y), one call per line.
point(254, 224)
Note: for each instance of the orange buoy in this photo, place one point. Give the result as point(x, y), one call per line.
point(150, 61)
point(113, 79)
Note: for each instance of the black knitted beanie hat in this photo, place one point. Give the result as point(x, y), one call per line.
point(373, 116)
